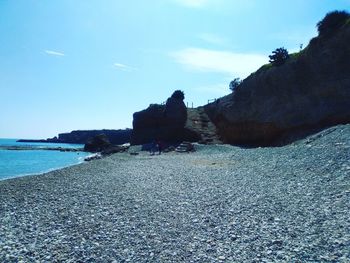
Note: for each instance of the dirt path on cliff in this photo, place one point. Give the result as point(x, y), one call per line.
point(198, 121)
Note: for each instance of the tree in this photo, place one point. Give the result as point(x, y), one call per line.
point(331, 22)
point(235, 83)
point(178, 94)
point(279, 56)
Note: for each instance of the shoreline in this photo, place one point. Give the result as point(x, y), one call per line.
point(80, 159)
point(32, 148)
point(41, 173)
point(219, 204)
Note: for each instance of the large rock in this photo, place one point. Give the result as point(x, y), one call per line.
point(311, 90)
point(97, 143)
point(152, 117)
point(162, 122)
point(175, 112)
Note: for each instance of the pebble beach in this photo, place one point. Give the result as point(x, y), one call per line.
point(219, 204)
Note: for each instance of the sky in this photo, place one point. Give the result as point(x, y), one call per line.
point(90, 64)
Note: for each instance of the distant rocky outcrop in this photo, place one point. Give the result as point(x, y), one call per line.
point(97, 143)
point(114, 136)
point(101, 144)
point(163, 122)
point(311, 90)
point(82, 136)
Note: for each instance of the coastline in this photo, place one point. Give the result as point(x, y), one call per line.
point(27, 160)
point(31, 148)
point(42, 173)
point(219, 204)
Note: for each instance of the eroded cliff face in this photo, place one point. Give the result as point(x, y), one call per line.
point(162, 122)
point(82, 137)
point(311, 90)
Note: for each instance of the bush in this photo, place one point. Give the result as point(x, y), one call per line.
point(155, 107)
point(295, 55)
point(235, 83)
point(332, 21)
point(265, 67)
point(279, 56)
point(178, 94)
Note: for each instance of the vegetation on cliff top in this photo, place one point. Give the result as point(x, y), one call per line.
point(330, 24)
point(279, 56)
point(235, 83)
point(178, 94)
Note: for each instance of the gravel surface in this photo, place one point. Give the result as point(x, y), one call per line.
point(219, 204)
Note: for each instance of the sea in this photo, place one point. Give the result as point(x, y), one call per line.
point(16, 163)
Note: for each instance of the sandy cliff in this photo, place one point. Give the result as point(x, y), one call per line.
point(311, 90)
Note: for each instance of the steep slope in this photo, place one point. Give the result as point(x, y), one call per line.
point(199, 122)
point(311, 90)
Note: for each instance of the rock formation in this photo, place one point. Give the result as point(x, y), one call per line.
point(163, 122)
point(175, 112)
point(311, 90)
point(101, 144)
point(82, 136)
point(97, 143)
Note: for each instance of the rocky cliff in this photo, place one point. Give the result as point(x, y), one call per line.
point(82, 136)
point(311, 90)
point(114, 136)
point(163, 122)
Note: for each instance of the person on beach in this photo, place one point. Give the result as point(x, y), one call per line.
point(159, 146)
point(154, 147)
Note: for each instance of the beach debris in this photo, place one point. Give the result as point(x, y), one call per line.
point(91, 157)
point(185, 147)
point(171, 148)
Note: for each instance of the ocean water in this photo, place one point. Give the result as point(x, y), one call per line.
point(14, 163)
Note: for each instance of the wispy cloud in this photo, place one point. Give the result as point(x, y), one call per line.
point(213, 39)
point(193, 3)
point(54, 53)
point(124, 67)
point(229, 63)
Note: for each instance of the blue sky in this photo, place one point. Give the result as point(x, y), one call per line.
point(90, 64)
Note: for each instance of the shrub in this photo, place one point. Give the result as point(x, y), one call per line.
point(295, 55)
point(279, 56)
point(178, 94)
point(235, 83)
point(332, 21)
point(265, 67)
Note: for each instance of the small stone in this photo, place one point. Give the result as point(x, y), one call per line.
point(277, 242)
point(280, 254)
point(234, 237)
point(222, 257)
